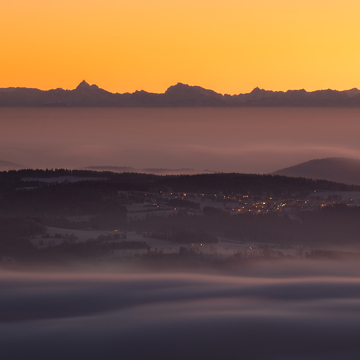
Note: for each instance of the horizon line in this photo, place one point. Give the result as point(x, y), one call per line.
point(178, 83)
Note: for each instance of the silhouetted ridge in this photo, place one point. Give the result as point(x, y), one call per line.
point(257, 90)
point(352, 92)
point(179, 95)
point(186, 95)
point(343, 170)
point(9, 164)
point(83, 85)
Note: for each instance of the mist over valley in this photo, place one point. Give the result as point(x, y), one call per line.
point(146, 233)
point(181, 315)
point(245, 140)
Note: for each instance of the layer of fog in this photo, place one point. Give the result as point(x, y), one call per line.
point(250, 140)
point(270, 310)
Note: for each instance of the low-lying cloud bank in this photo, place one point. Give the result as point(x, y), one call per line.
point(285, 315)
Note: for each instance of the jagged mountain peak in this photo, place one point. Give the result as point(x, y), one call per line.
point(180, 94)
point(257, 90)
point(83, 85)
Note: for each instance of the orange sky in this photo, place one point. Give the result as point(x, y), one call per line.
point(230, 46)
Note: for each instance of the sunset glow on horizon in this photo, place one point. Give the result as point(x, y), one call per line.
point(229, 46)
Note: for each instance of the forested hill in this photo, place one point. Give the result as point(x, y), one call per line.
point(236, 183)
point(176, 208)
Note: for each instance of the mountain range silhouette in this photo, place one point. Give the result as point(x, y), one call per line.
point(179, 95)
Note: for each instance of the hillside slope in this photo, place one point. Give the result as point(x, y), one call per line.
point(343, 170)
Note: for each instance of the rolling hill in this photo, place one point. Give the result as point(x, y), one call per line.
point(343, 170)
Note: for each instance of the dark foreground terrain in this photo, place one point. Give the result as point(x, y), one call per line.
point(215, 266)
point(59, 216)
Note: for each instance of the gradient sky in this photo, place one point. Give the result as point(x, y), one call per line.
point(230, 46)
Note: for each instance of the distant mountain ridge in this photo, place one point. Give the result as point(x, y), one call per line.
point(9, 165)
point(179, 95)
point(342, 170)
